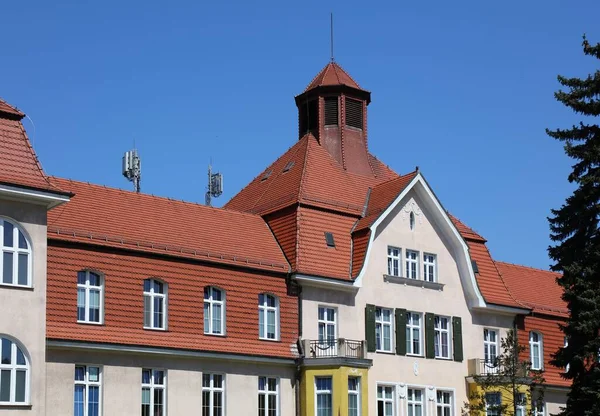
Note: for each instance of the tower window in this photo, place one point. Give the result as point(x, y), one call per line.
point(354, 113)
point(331, 111)
point(309, 116)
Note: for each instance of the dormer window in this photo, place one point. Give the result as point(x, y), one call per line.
point(354, 113)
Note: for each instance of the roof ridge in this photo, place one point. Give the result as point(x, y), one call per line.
point(304, 164)
point(335, 64)
point(526, 267)
point(152, 196)
point(11, 109)
point(35, 158)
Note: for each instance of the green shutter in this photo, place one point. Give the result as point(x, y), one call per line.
point(370, 327)
point(457, 342)
point(429, 336)
point(400, 315)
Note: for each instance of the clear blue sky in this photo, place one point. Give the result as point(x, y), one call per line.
point(463, 89)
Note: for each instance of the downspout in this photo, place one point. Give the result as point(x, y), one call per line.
point(300, 353)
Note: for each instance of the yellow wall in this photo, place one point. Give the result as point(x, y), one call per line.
point(339, 377)
point(506, 395)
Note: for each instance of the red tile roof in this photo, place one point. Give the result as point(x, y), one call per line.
point(535, 288)
point(19, 165)
point(332, 74)
point(112, 217)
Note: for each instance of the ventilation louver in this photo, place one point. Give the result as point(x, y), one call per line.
point(354, 113)
point(331, 111)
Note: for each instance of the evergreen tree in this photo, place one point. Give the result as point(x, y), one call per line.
point(511, 378)
point(574, 229)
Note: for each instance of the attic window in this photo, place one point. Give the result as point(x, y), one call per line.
point(289, 165)
point(329, 239)
point(475, 267)
point(331, 111)
point(266, 175)
point(354, 113)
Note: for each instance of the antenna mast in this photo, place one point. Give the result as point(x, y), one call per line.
point(331, 38)
point(215, 185)
point(132, 169)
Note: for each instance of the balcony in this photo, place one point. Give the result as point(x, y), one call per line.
point(340, 351)
point(478, 367)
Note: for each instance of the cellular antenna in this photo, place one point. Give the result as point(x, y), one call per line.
point(215, 185)
point(331, 38)
point(132, 168)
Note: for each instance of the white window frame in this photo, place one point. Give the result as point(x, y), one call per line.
point(490, 364)
point(429, 266)
point(327, 324)
point(153, 386)
point(410, 326)
point(566, 344)
point(211, 304)
point(268, 393)
point(394, 258)
point(385, 399)
point(495, 412)
point(16, 251)
point(87, 288)
point(540, 349)
point(263, 310)
point(355, 392)
point(521, 404)
point(86, 383)
point(323, 392)
point(409, 261)
point(13, 367)
point(413, 402)
point(438, 332)
point(155, 295)
point(211, 389)
point(441, 404)
point(381, 324)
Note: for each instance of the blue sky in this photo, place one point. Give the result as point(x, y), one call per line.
point(462, 89)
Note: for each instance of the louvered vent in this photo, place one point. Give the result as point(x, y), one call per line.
point(331, 111)
point(354, 116)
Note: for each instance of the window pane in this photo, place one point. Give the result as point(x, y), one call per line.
point(272, 405)
point(6, 351)
point(81, 278)
point(271, 324)
point(158, 312)
point(79, 373)
point(93, 401)
point(216, 319)
point(8, 234)
point(22, 240)
point(4, 385)
point(206, 317)
point(7, 269)
point(261, 323)
point(205, 380)
point(23, 267)
point(94, 374)
point(147, 285)
point(218, 381)
point(20, 357)
point(145, 396)
point(81, 304)
point(147, 311)
point(216, 294)
point(158, 287)
point(146, 376)
point(79, 401)
point(94, 306)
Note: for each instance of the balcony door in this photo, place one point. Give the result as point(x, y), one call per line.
point(490, 351)
point(327, 331)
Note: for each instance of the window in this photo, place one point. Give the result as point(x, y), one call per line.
point(214, 311)
point(443, 403)
point(414, 401)
point(492, 404)
point(329, 240)
point(441, 341)
point(385, 401)
point(490, 349)
point(15, 261)
point(412, 262)
point(268, 316)
point(413, 333)
point(411, 219)
point(535, 348)
point(213, 390)
point(155, 314)
point(268, 396)
point(393, 261)
point(429, 267)
point(383, 329)
point(353, 396)
point(521, 401)
point(153, 392)
point(14, 373)
point(88, 383)
point(539, 408)
point(323, 393)
point(327, 326)
point(565, 346)
point(89, 297)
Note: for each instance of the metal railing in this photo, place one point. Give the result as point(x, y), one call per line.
point(482, 367)
point(338, 347)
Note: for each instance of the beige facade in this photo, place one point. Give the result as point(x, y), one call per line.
point(122, 381)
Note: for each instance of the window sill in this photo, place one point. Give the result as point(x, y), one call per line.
point(15, 406)
point(443, 358)
point(269, 339)
point(385, 352)
point(155, 329)
point(18, 287)
point(94, 323)
point(413, 282)
point(414, 355)
point(214, 335)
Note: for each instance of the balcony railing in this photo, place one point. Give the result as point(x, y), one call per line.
point(331, 348)
point(482, 367)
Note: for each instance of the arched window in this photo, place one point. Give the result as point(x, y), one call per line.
point(14, 372)
point(536, 350)
point(268, 316)
point(15, 261)
point(411, 219)
point(155, 304)
point(90, 297)
point(214, 311)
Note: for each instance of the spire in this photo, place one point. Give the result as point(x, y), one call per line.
point(332, 75)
